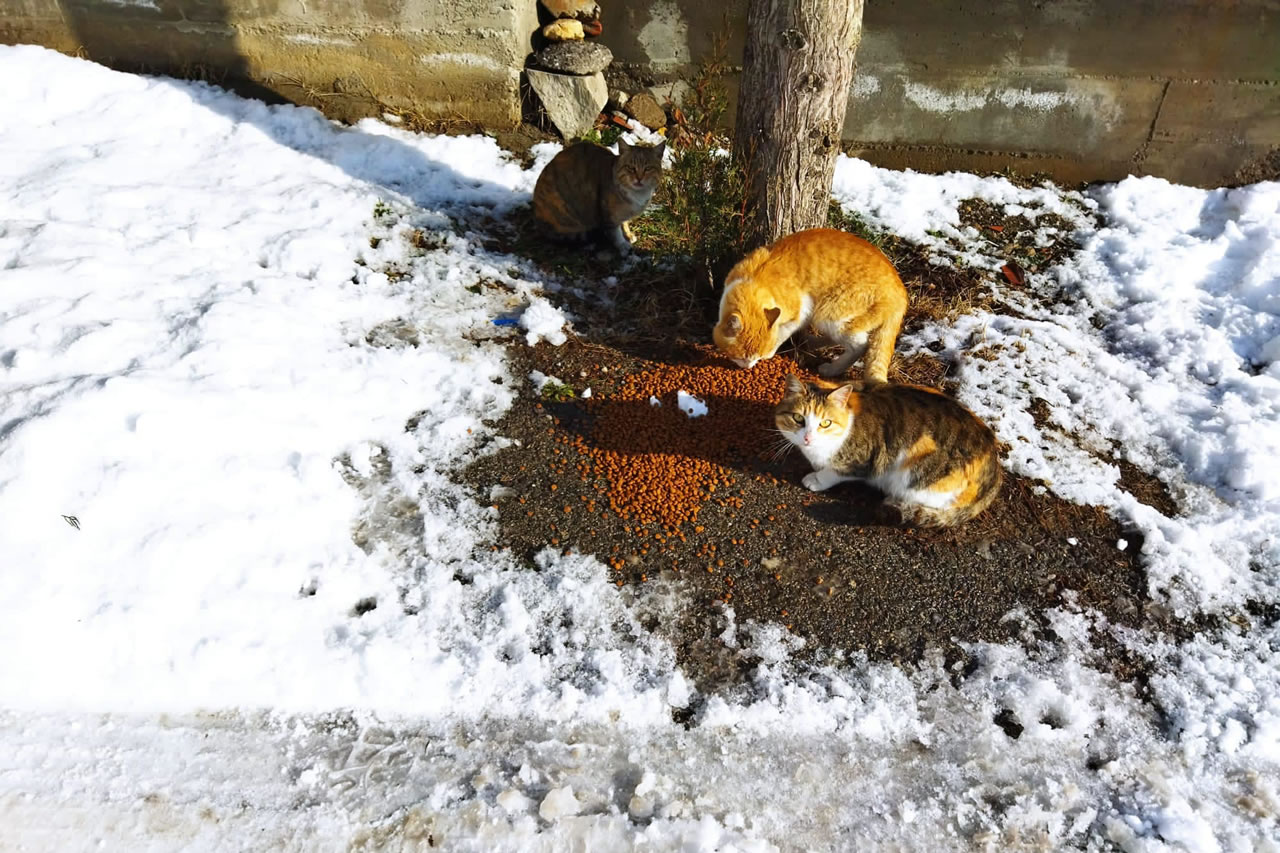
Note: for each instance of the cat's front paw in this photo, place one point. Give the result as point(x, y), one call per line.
point(813, 482)
point(831, 369)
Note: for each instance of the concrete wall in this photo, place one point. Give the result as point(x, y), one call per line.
point(447, 59)
point(1083, 89)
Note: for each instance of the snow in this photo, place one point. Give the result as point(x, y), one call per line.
point(690, 405)
point(248, 350)
point(544, 322)
point(541, 380)
point(559, 802)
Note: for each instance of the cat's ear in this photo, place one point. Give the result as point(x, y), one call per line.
point(794, 385)
point(733, 324)
point(659, 149)
point(771, 315)
point(623, 147)
point(840, 396)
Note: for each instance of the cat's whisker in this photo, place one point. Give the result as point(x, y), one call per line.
point(779, 448)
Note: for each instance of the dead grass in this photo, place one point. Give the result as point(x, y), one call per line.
point(920, 369)
point(413, 119)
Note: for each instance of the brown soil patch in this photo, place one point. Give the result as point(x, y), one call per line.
point(701, 507)
point(835, 567)
point(1146, 488)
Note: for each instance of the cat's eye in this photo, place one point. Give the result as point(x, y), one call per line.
point(826, 423)
point(797, 417)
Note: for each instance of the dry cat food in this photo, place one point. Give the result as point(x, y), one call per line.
point(661, 465)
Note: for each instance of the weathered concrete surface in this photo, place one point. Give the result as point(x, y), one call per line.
point(1082, 89)
point(440, 59)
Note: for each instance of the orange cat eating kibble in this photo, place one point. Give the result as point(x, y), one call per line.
point(841, 285)
point(934, 460)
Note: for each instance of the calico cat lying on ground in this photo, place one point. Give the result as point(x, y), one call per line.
point(935, 461)
point(587, 191)
point(841, 285)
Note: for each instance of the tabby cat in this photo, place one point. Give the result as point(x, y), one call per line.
point(841, 285)
point(935, 461)
point(587, 191)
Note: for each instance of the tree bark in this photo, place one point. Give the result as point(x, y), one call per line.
point(796, 71)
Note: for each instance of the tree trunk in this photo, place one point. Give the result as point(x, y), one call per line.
point(796, 71)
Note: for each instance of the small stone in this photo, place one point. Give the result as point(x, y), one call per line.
point(593, 28)
point(564, 29)
point(513, 802)
point(583, 10)
point(558, 803)
point(640, 808)
point(617, 99)
point(572, 103)
point(576, 57)
point(644, 108)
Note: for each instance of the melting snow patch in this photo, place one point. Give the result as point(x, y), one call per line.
point(690, 405)
point(541, 380)
point(543, 322)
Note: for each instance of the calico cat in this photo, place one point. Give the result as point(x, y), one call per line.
point(935, 461)
point(587, 191)
point(841, 285)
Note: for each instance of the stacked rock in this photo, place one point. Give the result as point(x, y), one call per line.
point(568, 73)
point(645, 109)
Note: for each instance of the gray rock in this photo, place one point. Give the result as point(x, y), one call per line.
point(644, 108)
point(575, 57)
point(571, 101)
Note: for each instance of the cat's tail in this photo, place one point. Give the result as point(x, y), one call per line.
point(983, 485)
point(990, 477)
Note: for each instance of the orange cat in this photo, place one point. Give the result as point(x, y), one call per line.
point(838, 283)
point(934, 460)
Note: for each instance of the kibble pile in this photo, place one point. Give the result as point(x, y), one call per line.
point(662, 466)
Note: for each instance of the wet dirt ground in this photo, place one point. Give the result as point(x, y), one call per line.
point(836, 568)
